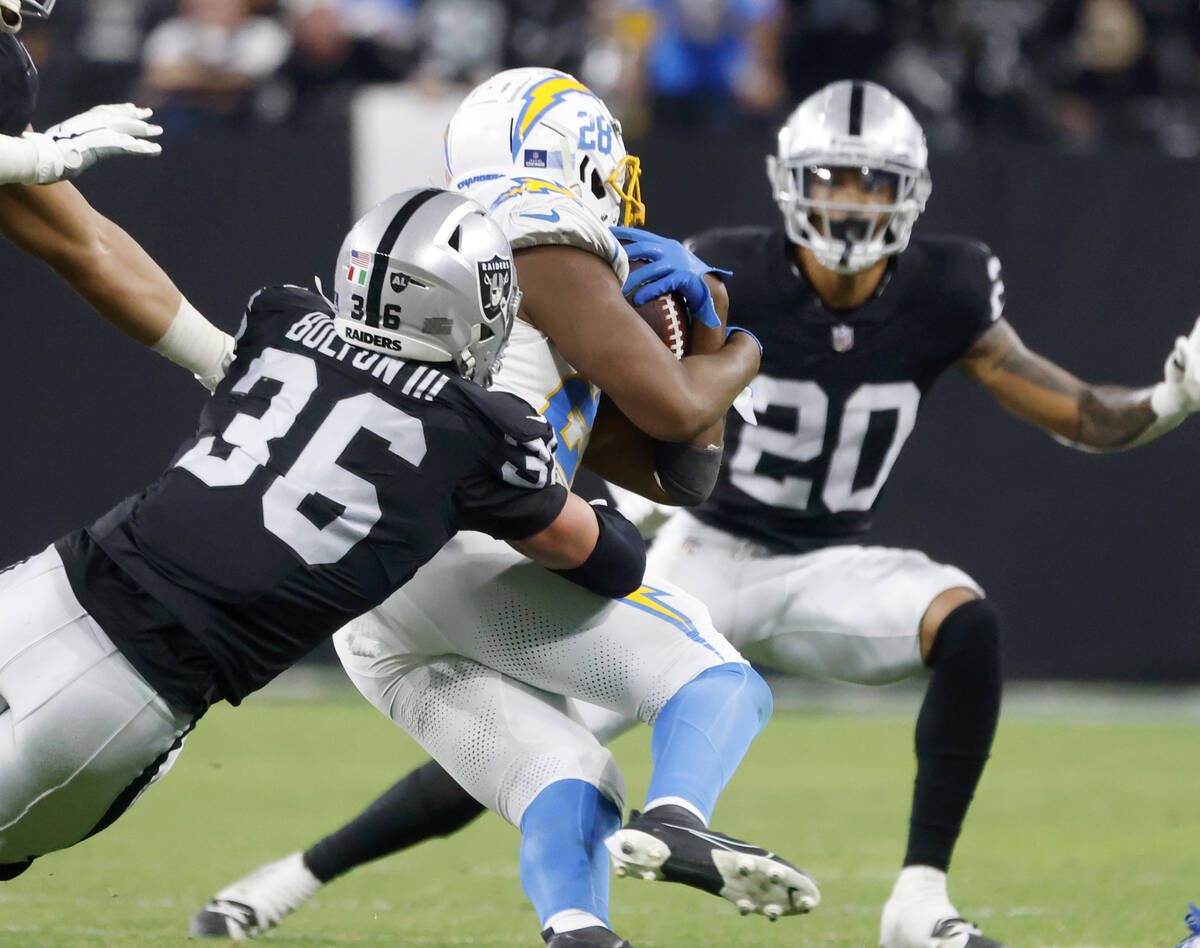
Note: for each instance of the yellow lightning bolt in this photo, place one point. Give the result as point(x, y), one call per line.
point(538, 100)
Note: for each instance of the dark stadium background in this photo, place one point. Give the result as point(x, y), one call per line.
point(1094, 560)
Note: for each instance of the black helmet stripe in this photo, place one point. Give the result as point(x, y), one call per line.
point(384, 251)
point(856, 108)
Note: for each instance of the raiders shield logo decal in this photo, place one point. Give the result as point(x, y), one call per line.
point(495, 279)
point(842, 337)
point(399, 281)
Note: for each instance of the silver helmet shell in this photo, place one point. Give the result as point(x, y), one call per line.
point(426, 275)
point(850, 124)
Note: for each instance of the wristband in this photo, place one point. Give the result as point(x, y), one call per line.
point(195, 344)
point(729, 330)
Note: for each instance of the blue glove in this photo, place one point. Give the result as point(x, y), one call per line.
point(670, 266)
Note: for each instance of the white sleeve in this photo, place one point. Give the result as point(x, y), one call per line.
point(18, 160)
point(549, 219)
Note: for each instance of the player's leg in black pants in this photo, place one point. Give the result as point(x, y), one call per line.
point(954, 735)
point(955, 728)
point(425, 804)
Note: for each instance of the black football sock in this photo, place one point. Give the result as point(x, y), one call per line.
point(10, 870)
point(426, 803)
point(954, 730)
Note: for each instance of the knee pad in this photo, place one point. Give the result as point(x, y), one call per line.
point(972, 631)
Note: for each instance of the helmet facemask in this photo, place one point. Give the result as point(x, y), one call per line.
point(838, 153)
point(848, 236)
point(14, 12)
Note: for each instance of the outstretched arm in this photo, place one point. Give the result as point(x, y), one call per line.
point(106, 267)
point(1077, 413)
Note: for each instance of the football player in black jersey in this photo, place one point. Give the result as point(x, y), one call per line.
point(45, 216)
point(857, 321)
point(325, 470)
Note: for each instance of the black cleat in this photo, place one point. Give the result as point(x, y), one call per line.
point(669, 843)
point(593, 937)
point(10, 870)
point(948, 931)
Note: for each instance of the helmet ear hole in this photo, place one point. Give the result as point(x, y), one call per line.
point(456, 237)
point(597, 185)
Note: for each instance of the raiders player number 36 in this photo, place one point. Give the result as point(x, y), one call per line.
point(324, 472)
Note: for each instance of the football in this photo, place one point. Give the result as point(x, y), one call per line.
point(667, 315)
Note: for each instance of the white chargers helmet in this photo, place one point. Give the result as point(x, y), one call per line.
point(858, 125)
point(13, 13)
point(428, 276)
point(546, 124)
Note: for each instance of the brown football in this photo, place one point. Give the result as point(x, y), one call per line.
point(667, 315)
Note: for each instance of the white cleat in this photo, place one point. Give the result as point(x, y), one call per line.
point(257, 902)
point(920, 915)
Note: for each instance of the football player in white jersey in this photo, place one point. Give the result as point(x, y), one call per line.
point(879, 320)
point(43, 214)
point(474, 657)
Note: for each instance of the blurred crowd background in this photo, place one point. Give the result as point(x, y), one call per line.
point(1072, 74)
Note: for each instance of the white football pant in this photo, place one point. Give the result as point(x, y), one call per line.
point(81, 732)
point(473, 658)
point(851, 613)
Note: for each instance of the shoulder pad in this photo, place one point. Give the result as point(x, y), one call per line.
point(969, 273)
point(507, 412)
point(286, 298)
point(18, 86)
point(535, 213)
point(525, 448)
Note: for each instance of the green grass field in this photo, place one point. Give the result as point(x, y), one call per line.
point(1083, 835)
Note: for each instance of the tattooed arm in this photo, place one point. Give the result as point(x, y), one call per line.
point(1077, 413)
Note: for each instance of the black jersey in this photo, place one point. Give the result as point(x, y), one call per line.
point(18, 86)
point(838, 391)
point(321, 477)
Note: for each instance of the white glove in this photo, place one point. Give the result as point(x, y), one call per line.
point(1178, 393)
point(68, 148)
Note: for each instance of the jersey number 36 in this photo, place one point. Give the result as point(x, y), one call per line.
point(316, 470)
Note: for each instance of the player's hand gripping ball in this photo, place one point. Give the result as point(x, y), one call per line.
point(667, 315)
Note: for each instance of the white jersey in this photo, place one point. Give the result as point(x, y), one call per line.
point(481, 677)
point(534, 212)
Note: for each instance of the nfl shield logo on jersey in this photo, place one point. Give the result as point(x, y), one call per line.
point(495, 278)
point(843, 337)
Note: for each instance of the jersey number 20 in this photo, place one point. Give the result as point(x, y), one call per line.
point(807, 441)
